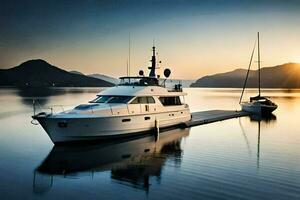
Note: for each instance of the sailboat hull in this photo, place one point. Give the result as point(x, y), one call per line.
point(258, 108)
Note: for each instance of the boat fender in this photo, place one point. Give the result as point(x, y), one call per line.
point(156, 129)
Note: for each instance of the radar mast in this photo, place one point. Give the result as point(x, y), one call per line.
point(153, 64)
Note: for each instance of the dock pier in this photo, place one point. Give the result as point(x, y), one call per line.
point(210, 116)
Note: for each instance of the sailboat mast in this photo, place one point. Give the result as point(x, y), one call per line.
point(258, 52)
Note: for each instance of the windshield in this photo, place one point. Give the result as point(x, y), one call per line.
point(112, 99)
point(101, 99)
point(120, 99)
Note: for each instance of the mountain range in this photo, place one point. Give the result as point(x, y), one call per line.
point(39, 73)
point(169, 82)
point(280, 76)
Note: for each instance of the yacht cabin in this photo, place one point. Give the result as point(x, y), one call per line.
point(135, 95)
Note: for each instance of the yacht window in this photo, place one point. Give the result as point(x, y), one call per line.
point(135, 101)
point(150, 100)
point(170, 101)
point(101, 99)
point(143, 100)
point(119, 99)
point(140, 100)
point(111, 99)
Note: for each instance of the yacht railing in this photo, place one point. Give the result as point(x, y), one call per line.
point(52, 108)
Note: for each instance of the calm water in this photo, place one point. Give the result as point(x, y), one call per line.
point(238, 158)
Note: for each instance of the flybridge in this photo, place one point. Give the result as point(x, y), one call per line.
point(139, 81)
point(151, 80)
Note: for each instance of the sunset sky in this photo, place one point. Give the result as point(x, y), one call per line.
point(194, 38)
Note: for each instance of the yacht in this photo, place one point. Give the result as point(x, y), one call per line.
point(136, 105)
point(258, 104)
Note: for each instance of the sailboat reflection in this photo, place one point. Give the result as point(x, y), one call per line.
point(131, 162)
point(259, 119)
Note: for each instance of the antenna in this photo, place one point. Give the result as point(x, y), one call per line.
point(128, 74)
point(127, 69)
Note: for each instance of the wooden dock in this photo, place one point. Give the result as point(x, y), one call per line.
point(205, 117)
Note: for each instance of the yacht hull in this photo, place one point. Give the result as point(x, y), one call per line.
point(64, 129)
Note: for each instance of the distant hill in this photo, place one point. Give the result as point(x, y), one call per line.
point(281, 76)
point(39, 73)
point(99, 76)
point(105, 77)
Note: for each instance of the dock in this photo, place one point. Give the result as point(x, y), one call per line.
point(205, 117)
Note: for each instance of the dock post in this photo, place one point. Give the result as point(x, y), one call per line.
point(156, 130)
point(33, 105)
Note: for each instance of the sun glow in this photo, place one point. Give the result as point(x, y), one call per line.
point(296, 59)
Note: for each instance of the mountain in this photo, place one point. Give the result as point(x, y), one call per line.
point(280, 76)
point(105, 77)
point(39, 73)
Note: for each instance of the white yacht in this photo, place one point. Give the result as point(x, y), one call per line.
point(138, 104)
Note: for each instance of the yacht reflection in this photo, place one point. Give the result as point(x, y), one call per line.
point(131, 162)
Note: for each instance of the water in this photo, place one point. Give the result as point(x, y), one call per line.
point(238, 158)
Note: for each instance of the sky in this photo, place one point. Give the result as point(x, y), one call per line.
point(194, 38)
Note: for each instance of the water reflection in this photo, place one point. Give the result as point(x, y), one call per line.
point(258, 119)
point(266, 119)
point(43, 95)
point(213, 162)
point(131, 162)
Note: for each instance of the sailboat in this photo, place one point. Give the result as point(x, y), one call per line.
point(258, 104)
